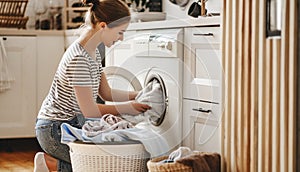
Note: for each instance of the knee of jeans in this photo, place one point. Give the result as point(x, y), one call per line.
point(48, 137)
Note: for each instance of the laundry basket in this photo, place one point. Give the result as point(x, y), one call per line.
point(206, 161)
point(155, 165)
point(110, 157)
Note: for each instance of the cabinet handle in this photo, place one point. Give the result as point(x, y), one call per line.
point(203, 34)
point(201, 110)
point(4, 38)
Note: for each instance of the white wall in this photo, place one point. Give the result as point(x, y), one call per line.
point(175, 12)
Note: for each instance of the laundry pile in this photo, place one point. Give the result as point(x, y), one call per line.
point(113, 129)
point(153, 96)
point(107, 123)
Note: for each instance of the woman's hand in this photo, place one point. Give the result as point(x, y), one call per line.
point(137, 108)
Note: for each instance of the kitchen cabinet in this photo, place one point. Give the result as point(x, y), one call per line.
point(18, 105)
point(32, 61)
point(202, 89)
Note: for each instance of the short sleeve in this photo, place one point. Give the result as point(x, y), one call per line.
point(78, 72)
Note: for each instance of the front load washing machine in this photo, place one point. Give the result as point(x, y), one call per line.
point(154, 54)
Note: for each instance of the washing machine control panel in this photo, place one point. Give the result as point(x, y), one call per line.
point(159, 43)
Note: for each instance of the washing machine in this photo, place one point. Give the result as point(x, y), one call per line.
point(152, 55)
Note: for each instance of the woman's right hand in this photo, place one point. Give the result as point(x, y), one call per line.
point(137, 108)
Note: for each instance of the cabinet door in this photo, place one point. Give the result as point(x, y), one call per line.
point(18, 108)
point(201, 129)
point(203, 69)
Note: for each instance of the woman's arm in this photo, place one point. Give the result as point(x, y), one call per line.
point(91, 109)
point(131, 107)
point(87, 104)
point(114, 95)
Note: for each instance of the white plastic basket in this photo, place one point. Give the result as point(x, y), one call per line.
point(130, 157)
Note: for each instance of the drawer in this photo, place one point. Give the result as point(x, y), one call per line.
point(202, 35)
point(203, 71)
point(201, 129)
point(202, 112)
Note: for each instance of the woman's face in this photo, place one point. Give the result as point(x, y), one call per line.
point(112, 35)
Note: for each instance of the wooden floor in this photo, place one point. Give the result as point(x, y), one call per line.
point(16, 155)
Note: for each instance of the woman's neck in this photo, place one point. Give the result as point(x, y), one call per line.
point(90, 40)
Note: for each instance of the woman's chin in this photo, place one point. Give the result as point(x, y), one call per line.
point(110, 45)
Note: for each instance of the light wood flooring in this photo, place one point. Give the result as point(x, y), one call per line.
point(16, 155)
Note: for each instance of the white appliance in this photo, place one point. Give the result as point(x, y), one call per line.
point(149, 54)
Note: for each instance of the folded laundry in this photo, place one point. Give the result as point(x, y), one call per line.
point(152, 95)
point(154, 143)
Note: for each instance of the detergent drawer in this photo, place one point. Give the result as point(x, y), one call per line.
point(159, 43)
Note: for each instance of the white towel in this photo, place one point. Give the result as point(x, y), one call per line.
point(180, 153)
point(151, 95)
point(6, 78)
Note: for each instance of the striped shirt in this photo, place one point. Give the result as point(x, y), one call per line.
point(76, 68)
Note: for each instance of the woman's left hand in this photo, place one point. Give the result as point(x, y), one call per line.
point(139, 107)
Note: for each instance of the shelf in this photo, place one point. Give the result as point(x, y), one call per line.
point(69, 12)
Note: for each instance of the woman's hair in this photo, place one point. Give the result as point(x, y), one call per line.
point(112, 12)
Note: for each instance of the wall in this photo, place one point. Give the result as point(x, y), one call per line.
point(175, 12)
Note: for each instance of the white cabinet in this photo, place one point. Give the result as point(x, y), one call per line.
point(202, 89)
point(18, 105)
point(201, 129)
point(203, 69)
point(32, 61)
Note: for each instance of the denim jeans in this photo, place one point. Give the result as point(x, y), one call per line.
point(48, 134)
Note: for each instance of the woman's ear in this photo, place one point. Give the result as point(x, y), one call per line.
point(102, 24)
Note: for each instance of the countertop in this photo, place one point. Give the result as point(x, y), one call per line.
point(163, 24)
point(23, 32)
point(175, 23)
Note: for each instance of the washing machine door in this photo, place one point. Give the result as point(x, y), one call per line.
point(120, 78)
point(155, 77)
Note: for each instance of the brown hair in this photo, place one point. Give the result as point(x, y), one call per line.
point(112, 12)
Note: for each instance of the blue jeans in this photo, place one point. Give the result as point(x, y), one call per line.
point(48, 134)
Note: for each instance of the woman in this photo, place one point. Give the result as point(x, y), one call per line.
point(79, 80)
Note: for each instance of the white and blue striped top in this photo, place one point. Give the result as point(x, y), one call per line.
point(76, 68)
